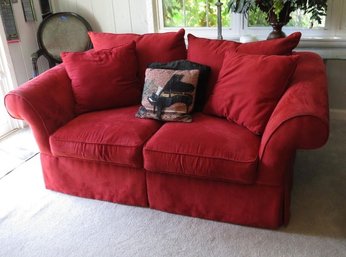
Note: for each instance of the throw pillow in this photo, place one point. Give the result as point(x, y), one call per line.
point(103, 79)
point(202, 78)
point(279, 46)
point(249, 87)
point(211, 52)
point(168, 94)
point(151, 47)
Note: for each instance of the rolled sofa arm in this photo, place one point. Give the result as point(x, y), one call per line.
point(45, 103)
point(299, 121)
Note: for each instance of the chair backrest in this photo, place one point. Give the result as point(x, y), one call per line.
point(61, 32)
point(64, 31)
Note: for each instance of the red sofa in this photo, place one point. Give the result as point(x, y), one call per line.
point(210, 168)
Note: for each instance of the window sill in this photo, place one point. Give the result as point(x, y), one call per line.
point(323, 42)
point(327, 48)
point(327, 53)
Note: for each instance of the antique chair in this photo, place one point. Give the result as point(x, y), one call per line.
point(60, 32)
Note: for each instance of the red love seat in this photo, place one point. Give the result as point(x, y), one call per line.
point(210, 168)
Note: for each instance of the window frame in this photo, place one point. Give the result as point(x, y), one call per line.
point(202, 31)
point(334, 30)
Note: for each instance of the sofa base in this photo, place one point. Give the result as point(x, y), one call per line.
point(96, 180)
point(251, 205)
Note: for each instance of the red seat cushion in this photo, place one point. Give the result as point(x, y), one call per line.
point(151, 47)
point(113, 136)
point(209, 147)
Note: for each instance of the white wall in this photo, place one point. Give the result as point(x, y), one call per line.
point(119, 16)
point(21, 51)
point(337, 88)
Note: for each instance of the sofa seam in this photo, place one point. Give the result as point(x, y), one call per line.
point(210, 157)
point(98, 161)
point(218, 179)
point(93, 143)
point(35, 111)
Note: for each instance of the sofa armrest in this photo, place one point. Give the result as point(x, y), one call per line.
point(299, 121)
point(45, 103)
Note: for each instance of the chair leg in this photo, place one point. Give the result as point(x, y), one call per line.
point(34, 58)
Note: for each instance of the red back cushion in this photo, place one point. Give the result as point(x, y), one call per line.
point(211, 52)
point(280, 46)
point(249, 87)
point(103, 79)
point(154, 47)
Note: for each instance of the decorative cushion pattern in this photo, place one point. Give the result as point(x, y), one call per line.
point(187, 65)
point(151, 47)
point(211, 52)
point(168, 94)
point(103, 79)
point(249, 87)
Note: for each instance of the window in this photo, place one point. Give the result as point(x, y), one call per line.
point(199, 16)
point(192, 13)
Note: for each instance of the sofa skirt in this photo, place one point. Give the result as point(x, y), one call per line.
point(251, 205)
point(95, 180)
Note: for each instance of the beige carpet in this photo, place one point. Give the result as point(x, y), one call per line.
point(15, 149)
point(37, 222)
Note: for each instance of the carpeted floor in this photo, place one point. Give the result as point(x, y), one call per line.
point(37, 222)
point(15, 149)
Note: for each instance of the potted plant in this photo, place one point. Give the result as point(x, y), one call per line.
point(278, 11)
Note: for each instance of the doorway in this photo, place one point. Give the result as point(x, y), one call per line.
point(7, 83)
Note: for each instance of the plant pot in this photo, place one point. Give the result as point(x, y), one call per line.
point(278, 21)
point(277, 30)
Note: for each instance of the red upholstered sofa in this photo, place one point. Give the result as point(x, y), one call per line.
point(210, 168)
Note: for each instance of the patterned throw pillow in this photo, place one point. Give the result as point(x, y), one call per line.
point(204, 71)
point(168, 95)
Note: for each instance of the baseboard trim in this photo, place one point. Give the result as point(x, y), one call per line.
point(337, 114)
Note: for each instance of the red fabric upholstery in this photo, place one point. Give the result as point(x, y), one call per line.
point(113, 136)
point(209, 147)
point(254, 205)
point(280, 46)
point(299, 121)
point(246, 96)
point(203, 168)
point(45, 102)
point(104, 79)
point(154, 47)
point(211, 52)
point(95, 179)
